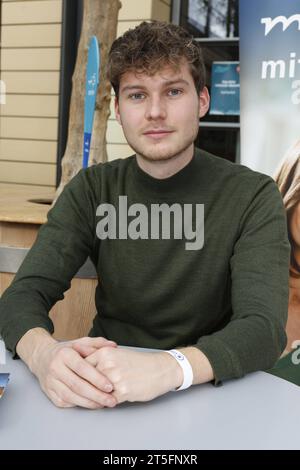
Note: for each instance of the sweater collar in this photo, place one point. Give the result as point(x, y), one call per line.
point(179, 180)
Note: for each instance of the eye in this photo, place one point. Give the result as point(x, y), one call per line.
point(174, 92)
point(136, 96)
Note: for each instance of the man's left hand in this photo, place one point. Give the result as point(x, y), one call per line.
point(137, 376)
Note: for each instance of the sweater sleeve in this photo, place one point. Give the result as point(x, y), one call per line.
point(255, 336)
point(62, 245)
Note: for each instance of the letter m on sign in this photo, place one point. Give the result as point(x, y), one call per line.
point(286, 22)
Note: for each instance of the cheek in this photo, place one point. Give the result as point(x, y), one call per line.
point(132, 119)
point(189, 112)
point(189, 119)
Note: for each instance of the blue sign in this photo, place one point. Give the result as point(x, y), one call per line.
point(92, 82)
point(225, 88)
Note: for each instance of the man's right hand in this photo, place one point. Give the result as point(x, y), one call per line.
point(64, 375)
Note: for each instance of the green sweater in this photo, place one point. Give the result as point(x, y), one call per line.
point(288, 367)
point(229, 298)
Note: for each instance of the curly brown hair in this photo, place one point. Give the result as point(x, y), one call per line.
point(151, 46)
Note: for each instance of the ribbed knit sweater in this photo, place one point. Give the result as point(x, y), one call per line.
point(228, 298)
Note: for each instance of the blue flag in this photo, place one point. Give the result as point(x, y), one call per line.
point(92, 82)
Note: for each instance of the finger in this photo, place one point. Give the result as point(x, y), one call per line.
point(58, 401)
point(68, 396)
point(85, 390)
point(117, 397)
point(84, 350)
point(92, 359)
point(86, 371)
point(87, 346)
point(98, 342)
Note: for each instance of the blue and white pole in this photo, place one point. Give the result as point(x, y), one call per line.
point(91, 87)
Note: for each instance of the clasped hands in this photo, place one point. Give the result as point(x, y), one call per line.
point(96, 373)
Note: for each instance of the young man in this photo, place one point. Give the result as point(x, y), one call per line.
point(217, 292)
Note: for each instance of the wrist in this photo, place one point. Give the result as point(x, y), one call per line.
point(31, 345)
point(202, 369)
point(186, 368)
point(172, 371)
point(43, 342)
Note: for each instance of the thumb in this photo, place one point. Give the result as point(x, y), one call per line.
point(92, 359)
point(97, 342)
point(87, 346)
point(83, 349)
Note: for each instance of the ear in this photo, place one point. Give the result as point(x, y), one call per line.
point(204, 100)
point(117, 111)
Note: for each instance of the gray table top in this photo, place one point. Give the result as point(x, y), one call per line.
point(259, 411)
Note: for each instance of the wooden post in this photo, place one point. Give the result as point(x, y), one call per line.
point(100, 18)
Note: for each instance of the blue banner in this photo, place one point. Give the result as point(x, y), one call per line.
point(92, 82)
point(270, 81)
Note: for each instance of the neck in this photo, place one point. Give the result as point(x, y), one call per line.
point(162, 169)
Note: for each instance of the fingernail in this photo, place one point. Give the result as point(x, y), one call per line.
point(108, 388)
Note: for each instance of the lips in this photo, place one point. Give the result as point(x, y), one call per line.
point(157, 133)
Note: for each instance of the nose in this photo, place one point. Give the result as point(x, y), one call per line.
point(155, 109)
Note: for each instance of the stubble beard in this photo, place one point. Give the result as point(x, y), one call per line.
point(155, 154)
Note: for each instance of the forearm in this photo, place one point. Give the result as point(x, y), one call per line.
point(248, 345)
point(202, 370)
point(30, 344)
point(65, 241)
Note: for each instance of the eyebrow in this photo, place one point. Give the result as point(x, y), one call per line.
point(166, 84)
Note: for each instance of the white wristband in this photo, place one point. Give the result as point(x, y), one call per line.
point(186, 369)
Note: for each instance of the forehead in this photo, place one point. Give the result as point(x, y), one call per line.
point(160, 78)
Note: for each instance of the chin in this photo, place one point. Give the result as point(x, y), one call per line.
point(157, 156)
point(157, 153)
